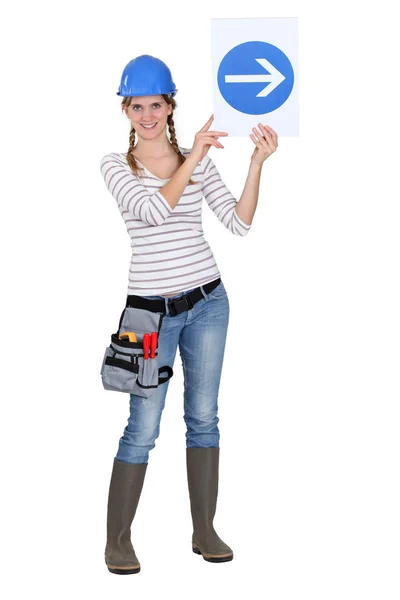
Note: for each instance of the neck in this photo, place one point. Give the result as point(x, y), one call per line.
point(155, 148)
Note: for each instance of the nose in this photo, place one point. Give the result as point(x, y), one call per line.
point(147, 114)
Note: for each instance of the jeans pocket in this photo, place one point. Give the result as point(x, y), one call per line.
point(219, 292)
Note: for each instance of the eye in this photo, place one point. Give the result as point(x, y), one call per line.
point(157, 104)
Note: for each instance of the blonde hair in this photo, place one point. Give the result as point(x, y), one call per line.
point(135, 167)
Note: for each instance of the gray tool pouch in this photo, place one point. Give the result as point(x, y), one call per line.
point(124, 367)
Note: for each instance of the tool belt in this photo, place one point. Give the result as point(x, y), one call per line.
point(125, 367)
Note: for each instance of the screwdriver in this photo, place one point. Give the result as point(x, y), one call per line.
point(146, 345)
point(154, 338)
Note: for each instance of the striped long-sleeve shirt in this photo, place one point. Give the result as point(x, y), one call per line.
point(169, 251)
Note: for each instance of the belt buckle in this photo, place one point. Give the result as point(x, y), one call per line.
point(179, 305)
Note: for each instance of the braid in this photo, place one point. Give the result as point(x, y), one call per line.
point(174, 143)
point(131, 160)
point(135, 167)
point(132, 136)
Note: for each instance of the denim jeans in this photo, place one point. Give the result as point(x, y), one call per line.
point(201, 336)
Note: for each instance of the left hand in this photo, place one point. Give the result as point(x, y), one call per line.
point(266, 143)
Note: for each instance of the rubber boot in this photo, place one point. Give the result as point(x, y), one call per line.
point(202, 472)
point(125, 489)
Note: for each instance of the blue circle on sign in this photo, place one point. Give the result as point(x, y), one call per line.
point(255, 78)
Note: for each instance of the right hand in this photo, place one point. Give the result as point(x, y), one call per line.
point(204, 139)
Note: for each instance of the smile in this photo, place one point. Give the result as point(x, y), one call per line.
point(149, 126)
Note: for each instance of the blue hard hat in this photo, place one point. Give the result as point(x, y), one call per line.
point(146, 75)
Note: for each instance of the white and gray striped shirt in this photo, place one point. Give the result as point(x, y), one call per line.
point(169, 252)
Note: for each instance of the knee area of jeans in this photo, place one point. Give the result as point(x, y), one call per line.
point(132, 448)
point(194, 440)
point(201, 421)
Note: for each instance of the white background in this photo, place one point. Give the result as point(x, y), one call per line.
point(309, 399)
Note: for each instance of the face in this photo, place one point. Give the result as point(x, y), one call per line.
point(147, 110)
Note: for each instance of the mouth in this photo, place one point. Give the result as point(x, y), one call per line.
point(152, 126)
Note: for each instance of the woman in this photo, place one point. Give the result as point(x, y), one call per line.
point(159, 188)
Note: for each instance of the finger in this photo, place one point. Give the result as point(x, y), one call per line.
point(216, 145)
point(274, 137)
point(207, 138)
point(273, 133)
point(213, 142)
point(260, 138)
point(207, 125)
point(257, 143)
point(267, 137)
point(264, 130)
point(214, 133)
point(216, 142)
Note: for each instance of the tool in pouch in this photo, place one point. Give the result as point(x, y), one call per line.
point(127, 365)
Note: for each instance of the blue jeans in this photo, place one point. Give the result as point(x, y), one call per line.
point(201, 336)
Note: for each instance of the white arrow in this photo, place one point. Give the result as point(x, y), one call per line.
point(275, 77)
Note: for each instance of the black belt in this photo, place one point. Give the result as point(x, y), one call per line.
point(176, 306)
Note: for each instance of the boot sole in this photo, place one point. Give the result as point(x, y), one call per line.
point(210, 557)
point(123, 570)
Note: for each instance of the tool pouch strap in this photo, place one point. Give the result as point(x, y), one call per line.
point(165, 369)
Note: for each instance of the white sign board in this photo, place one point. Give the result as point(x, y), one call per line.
point(255, 75)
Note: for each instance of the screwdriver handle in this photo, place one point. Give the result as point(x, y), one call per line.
point(146, 345)
point(154, 338)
